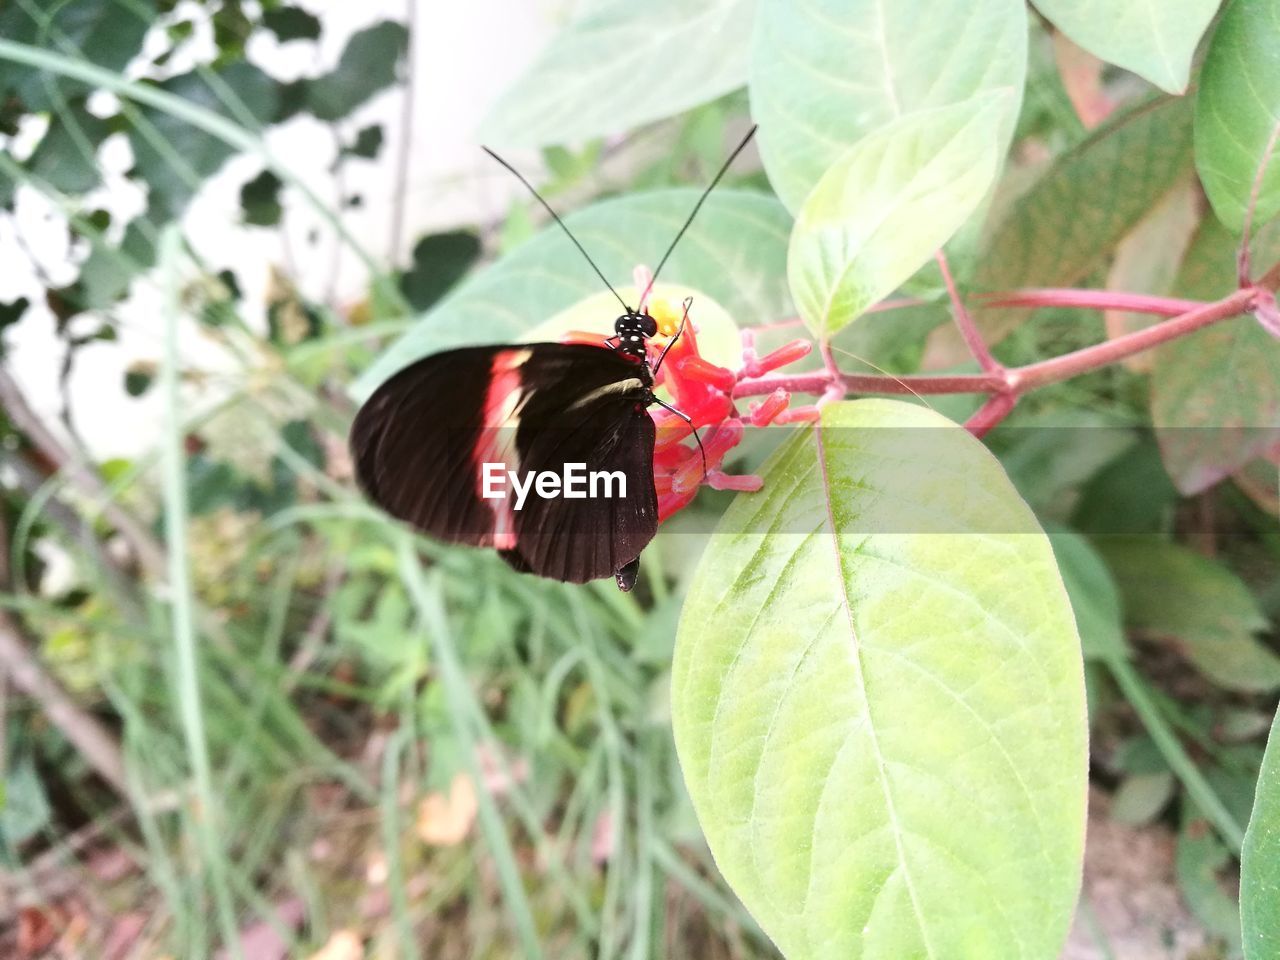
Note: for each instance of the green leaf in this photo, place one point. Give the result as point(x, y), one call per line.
point(1171, 591)
point(260, 200)
point(1260, 860)
point(26, 811)
point(368, 65)
point(1050, 453)
point(104, 34)
point(1200, 857)
point(881, 724)
point(735, 252)
point(1215, 395)
point(367, 144)
point(1141, 797)
point(66, 158)
point(11, 313)
point(1238, 113)
point(138, 378)
point(1153, 38)
point(624, 64)
point(174, 157)
point(827, 73)
point(439, 261)
point(1067, 225)
point(1132, 494)
point(886, 206)
point(1094, 597)
point(292, 23)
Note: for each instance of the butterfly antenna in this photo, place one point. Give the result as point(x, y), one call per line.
point(724, 168)
point(555, 216)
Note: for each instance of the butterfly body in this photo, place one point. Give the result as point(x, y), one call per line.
point(422, 441)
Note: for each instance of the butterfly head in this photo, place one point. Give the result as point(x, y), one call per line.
point(632, 330)
point(634, 327)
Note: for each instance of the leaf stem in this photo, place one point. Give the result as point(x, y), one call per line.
point(209, 812)
point(1198, 789)
point(1089, 300)
point(1004, 385)
point(968, 329)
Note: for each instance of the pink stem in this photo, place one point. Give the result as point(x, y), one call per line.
point(968, 329)
point(1019, 380)
point(997, 407)
point(1100, 355)
point(1090, 300)
point(816, 383)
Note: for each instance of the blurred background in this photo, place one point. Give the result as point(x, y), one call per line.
point(240, 718)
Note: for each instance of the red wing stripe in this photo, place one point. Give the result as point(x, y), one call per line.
point(496, 442)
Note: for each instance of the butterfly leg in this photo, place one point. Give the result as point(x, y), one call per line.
point(688, 302)
point(687, 419)
point(612, 342)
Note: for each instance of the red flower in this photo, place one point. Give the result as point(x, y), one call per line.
point(704, 392)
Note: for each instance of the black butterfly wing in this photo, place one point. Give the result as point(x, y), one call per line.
point(609, 434)
point(419, 442)
point(413, 445)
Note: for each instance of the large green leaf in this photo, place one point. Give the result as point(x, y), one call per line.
point(1260, 860)
point(66, 158)
point(367, 66)
point(735, 251)
point(106, 34)
point(1238, 113)
point(1215, 395)
point(886, 206)
point(624, 64)
point(175, 157)
point(1066, 226)
point(1153, 38)
point(878, 699)
point(1172, 592)
point(826, 73)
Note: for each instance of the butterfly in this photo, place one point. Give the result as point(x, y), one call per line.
point(482, 445)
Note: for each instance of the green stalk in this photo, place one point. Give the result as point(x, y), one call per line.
point(1198, 788)
point(432, 615)
point(182, 601)
point(391, 835)
point(643, 890)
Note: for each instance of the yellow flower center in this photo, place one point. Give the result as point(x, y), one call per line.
point(667, 316)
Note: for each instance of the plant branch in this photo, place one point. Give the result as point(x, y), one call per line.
point(1090, 300)
point(1102, 354)
point(20, 663)
point(989, 415)
point(968, 329)
point(14, 402)
point(1005, 385)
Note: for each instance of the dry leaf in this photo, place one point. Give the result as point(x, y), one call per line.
point(445, 820)
point(604, 839)
point(1081, 74)
point(343, 945)
point(37, 929)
